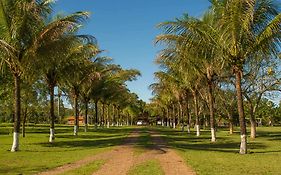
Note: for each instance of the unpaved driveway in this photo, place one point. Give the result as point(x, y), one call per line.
point(119, 160)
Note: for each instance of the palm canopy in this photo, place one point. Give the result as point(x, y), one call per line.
point(18, 31)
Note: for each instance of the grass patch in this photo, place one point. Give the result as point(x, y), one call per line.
point(87, 169)
point(37, 155)
point(222, 157)
point(151, 167)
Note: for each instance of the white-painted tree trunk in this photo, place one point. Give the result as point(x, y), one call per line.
point(188, 128)
point(174, 125)
point(52, 135)
point(75, 130)
point(108, 124)
point(15, 146)
point(213, 133)
point(197, 130)
point(162, 122)
point(86, 128)
point(243, 145)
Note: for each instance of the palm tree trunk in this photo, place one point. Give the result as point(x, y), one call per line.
point(180, 114)
point(96, 114)
point(86, 115)
point(188, 116)
point(197, 122)
point(253, 123)
point(117, 116)
point(107, 116)
point(230, 120)
point(59, 97)
point(174, 116)
point(163, 117)
point(168, 118)
point(24, 121)
point(103, 114)
point(127, 119)
point(52, 113)
point(76, 123)
point(243, 132)
point(17, 108)
point(113, 115)
point(211, 108)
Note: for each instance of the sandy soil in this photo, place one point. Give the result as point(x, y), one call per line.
point(119, 160)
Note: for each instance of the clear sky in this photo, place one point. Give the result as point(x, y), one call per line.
point(126, 29)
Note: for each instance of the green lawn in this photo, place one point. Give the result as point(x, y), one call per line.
point(222, 157)
point(151, 167)
point(36, 154)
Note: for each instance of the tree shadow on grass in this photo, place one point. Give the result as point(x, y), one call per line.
point(110, 138)
point(231, 147)
point(19, 170)
point(203, 143)
point(86, 143)
point(269, 135)
point(89, 137)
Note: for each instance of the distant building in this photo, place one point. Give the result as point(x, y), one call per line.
point(71, 120)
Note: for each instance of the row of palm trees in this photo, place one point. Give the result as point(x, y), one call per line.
point(234, 42)
point(36, 47)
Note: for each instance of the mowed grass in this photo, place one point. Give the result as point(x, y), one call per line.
point(151, 167)
point(37, 155)
point(222, 157)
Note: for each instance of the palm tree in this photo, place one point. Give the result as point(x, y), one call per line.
point(183, 66)
point(78, 70)
point(56, 39)
point(177, 35)
point(246, 29)
point(92, 85)
point(241, 30)
point(19, 28)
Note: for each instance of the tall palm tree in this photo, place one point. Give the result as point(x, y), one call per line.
point(204, 64)
point(77, 70)
point(183, 65)
point(241, 30)
point(20, 21)
point(246, 29)
point(90, 83)
point(55, 40)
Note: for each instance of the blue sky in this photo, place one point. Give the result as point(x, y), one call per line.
point(126, 29)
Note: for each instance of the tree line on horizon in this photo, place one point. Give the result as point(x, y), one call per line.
point(41, 53)
point(223, 65)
